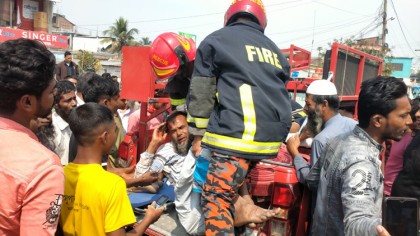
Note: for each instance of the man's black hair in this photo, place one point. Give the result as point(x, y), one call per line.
point(45, 135)
point(63, 87)
point(86, 119)
point(81, 80)
point(97, 88)
point(415, 106)
point(106, 75)
point(26, 67)
point(246, 15)
point(377, 96)
point(172, 117)
point(333, 100)
point(66, 53)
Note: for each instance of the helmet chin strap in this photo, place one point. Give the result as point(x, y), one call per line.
point(180, 53)
point(183, 71)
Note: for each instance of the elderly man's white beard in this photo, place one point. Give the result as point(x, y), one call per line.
point(314, 123)
point(181, 148)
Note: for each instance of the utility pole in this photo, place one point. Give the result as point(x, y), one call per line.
point(384, 29)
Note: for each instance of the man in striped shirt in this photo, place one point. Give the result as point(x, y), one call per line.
point(166, 158)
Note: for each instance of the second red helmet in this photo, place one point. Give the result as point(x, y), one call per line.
point(255, 8)
point(168, 52)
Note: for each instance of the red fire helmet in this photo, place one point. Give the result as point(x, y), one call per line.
point(168, 52)
point(253, 7)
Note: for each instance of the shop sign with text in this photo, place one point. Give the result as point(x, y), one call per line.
point(50, 40)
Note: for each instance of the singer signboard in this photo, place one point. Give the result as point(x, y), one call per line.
point(50, 40)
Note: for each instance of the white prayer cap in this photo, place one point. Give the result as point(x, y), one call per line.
point(322, 87)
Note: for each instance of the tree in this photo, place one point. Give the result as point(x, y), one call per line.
point(321, 54)
point(120, 35)
point(87, 61)
point(416, 76)
point(145, 41)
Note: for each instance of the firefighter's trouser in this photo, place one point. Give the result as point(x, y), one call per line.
point(225, 176)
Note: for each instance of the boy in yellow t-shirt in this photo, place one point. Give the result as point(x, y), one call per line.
point(95, 201)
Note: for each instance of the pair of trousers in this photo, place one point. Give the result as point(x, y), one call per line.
point(225, 176)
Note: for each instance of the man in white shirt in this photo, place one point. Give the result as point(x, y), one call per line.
point(167, 157)
point(125, 113)
point(65, 101)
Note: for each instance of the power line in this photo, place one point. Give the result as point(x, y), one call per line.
point(186, 17)
point(417, 44)
point(369, 28)
point(284, 8)
point(163, 30)
point(318, 42)
point(174, 29)
point(341, 23)
point(402, 46)
point(350, 12)
point(353, 21)
point(356, 20)
point(402, 31)
point(157, 20)
point(326, 31)
point(372, 25)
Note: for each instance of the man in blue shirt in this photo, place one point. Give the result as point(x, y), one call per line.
point(324, 121)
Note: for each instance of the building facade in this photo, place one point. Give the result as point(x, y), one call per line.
point(400, 66)
point(61, 25)
point(30, 19)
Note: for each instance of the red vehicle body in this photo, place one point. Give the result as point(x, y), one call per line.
point(273, 183)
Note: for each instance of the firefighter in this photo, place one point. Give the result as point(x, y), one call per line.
point(172, 59)
point(238, 96)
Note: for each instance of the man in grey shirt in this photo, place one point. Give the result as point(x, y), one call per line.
point(350, 191)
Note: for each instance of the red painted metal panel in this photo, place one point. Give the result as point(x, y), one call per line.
point(355, 51)
point(334, 58)
point(136, 74)
point(299, 58)
point(299, 85)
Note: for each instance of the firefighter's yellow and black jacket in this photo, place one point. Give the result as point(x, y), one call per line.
point(238, 94)
point(177, 88)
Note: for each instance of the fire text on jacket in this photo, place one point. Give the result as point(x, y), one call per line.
point(263, 55)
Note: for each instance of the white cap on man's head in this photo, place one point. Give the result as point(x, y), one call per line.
point(322, 87)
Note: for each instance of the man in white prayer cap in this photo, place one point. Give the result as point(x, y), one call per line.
point(324, 122)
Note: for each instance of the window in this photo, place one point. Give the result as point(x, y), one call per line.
point(300, 97)
point(5, 13)
point(396, 66)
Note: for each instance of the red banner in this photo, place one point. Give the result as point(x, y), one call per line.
point(50, 40)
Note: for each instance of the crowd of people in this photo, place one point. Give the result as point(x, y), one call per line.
point(60, 133)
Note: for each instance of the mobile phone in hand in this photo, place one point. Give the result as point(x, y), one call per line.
point(162, 200)
point(139, 210)
point(400, 216)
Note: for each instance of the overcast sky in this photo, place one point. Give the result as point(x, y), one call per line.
point(296, 22)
